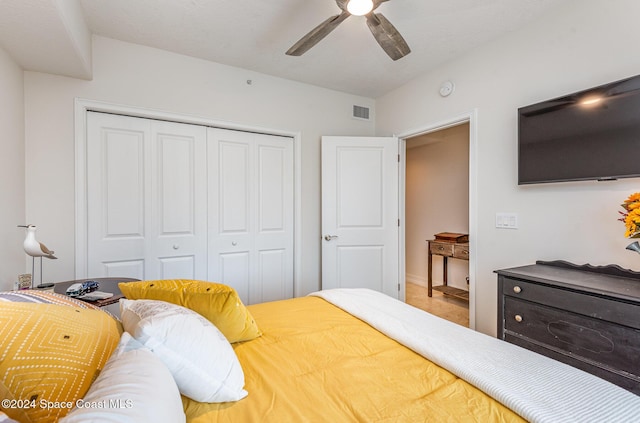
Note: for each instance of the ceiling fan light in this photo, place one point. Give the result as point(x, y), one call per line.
point(359, 7)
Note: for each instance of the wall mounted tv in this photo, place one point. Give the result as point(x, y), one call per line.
point(589, 135)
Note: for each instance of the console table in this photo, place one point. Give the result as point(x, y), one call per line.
point(447, 249)
point(585, 316)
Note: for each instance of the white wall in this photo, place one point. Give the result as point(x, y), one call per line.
point(584, 44)
point(144, 77)
point(437, 200)
point(12, 256)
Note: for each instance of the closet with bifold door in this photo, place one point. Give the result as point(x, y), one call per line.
point(170, 200)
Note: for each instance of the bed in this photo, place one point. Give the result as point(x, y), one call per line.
point(354, 355)
point(315, 362)
point(358, 355)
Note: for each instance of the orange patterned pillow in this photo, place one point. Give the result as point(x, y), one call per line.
point(50, 355)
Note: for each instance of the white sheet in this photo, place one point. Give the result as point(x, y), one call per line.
point(538, 388)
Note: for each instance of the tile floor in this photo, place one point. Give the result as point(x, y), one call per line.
point(449, 308)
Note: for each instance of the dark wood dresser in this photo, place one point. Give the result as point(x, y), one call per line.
point(585, 316)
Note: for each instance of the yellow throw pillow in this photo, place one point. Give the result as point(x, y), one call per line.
point(218, 303)
point(49, 356)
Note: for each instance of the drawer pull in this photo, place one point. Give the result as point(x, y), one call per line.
point(518, 318)
point(517, 289)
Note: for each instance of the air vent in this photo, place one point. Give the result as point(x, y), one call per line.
point(360, 112)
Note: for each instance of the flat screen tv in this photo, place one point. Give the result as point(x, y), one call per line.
point(589, 135)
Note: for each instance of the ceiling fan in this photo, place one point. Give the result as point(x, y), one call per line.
point(384, 32)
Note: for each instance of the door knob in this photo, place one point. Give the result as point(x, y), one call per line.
point(330, 237)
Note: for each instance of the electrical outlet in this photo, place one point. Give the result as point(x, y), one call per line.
point(507, 220)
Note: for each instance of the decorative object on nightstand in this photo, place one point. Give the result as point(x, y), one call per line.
point(107, 297)
point(24, 281)
point(36, 249)
point(82, 289)
point(447, 244)
point(631, 219)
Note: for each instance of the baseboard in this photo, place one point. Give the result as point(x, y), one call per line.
point(416, 279)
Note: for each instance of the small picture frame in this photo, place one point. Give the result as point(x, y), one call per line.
point(24, 281)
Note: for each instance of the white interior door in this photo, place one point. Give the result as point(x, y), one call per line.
point(177, 240)
point(251, 213)
point(360, 231)
point(116, 195)
point(146, 196)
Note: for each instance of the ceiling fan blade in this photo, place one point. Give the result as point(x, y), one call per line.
point(317, 34)
point(387, 36)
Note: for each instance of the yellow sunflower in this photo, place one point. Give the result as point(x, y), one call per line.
point(633, 202)
point(632, 223)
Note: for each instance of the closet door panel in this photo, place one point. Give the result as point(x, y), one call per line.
point(178, 239)
point(251, 213)
point(176, 177)
point(130, 268)
point(177, 267)
point(116, 192)
point(147, 193)
point(230, 225)
point(122, 170)
point(272, 188)
point(233, 169)
point(273, 279)
point(274, 218)
point(234, 271)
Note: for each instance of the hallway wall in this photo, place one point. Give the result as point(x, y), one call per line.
point(437, 200)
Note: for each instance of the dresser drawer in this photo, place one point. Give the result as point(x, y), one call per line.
point(605, 344)
point(441, 248)
point(624, 380)
point(577, 302)
point(461, 251)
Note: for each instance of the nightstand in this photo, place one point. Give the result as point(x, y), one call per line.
point(106, 285)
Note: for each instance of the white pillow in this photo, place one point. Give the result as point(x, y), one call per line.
point(6, 419)
point(197, 354)
point(134, 386)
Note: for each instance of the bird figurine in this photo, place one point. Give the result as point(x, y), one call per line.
point(34, 248)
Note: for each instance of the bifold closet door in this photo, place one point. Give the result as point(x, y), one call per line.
point(146, 183)
point(251, 213)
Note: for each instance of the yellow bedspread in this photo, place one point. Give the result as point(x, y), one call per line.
point(317, 363)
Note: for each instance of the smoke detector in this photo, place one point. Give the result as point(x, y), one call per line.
point(447, 88)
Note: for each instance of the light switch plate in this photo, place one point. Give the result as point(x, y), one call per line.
point(507, 220)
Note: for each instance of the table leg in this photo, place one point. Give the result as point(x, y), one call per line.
point(429, 269)
point(444, 271)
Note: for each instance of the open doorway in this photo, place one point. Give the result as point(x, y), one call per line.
point(436, 195)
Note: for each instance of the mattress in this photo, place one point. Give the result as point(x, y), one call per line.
point(318, 363)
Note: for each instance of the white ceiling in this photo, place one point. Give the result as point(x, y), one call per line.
point(254, 34)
